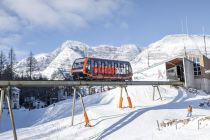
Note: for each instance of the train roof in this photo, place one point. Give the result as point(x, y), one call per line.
point(103, 59)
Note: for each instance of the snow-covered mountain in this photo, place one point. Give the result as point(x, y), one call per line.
point(64, 56)
point(167, 47)
point(171, 46)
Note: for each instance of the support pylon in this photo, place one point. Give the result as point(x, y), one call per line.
point(128, 98)
point(1, 103)
point(153, 97)
point(121, 99)
point(10, 112)
point(73, 107)
point(87, 122)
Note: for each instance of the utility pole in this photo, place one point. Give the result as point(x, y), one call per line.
point(204, 39)
point(186, 23)
point(148, 58)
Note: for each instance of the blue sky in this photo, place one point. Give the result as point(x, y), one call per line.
point(42, 25)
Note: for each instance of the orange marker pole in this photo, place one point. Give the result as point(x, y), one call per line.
point(129, 102)
point(129, 99)
point(87, 123)
point(121, 99)
point(120, 102)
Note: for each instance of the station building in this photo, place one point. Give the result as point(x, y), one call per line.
point(192, 69)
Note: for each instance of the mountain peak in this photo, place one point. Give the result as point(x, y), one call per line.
point(73, 44)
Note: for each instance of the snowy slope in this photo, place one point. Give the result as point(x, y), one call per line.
point(110, 122)
point(124, 52)
point(170, 46)
point(64, 56)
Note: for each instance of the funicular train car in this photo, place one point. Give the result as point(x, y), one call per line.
point(101, 69)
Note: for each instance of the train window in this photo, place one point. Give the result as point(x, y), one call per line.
point(121, 68)
point(106, 63)
point(99, 66)
point(78, 63)
point(115, 68)
point(88, 67)
point(95, 67)
point(112, 68)
point(126, 69)
point(130, 69)
point(109, 68)
point(105, 69)
point(102, 67)
point(118, 69)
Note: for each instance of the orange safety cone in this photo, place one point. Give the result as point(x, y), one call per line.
point(87, 124)
point(120, 102)
point(129, 102)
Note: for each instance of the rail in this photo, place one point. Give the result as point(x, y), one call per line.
point(84, 83)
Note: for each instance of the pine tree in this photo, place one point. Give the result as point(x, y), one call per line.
point(2, 64)
point(31, 65)
point(9, 71)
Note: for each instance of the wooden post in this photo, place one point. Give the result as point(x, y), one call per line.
point(89, 90)
point(11, 113)
point(159, 93)
point(153, 96)
point(158, 125)
point(101, 88)
point(121, 99)
point(129, 99)
point(1, 103)
point(198, 124)
point(87, 124)
point(73, 107)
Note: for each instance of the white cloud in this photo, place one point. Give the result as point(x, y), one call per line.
point(20, 16)
point(9, 41)
point(8, 23)
point(60, 13)
point(6, 43)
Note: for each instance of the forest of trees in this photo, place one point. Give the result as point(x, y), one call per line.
point(7, 67)
point(7, 72)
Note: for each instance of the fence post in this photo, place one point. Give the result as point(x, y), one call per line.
point(158, 125)
point(10, 112)
point(73, 107)
point(1, 103)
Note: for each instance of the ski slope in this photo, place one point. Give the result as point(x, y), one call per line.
point(110, 122)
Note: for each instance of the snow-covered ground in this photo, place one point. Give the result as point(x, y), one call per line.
point(110, 122)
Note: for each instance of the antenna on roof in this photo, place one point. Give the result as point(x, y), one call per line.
point(182, 27)
point(186, 23)
point(204, 39)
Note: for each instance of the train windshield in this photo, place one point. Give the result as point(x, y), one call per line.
point(78, 63)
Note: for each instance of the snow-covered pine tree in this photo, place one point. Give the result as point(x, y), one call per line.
point(31, 65)
point(3, 61)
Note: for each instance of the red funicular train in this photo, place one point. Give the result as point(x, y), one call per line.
point(101, 69)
